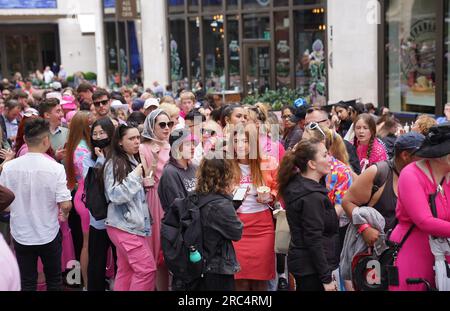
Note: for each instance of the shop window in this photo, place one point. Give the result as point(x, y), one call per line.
point(310, 64)
point(411, 55)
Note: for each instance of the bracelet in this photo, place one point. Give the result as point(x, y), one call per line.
point(362, 228)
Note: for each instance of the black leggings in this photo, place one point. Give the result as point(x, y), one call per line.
point(281, 263)
point(99, 244)
point(309, 283)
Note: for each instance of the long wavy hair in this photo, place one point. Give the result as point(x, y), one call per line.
point(118, 157)
point(296, 161)
point(79, 129)
point(255, 160)
point(333, 141)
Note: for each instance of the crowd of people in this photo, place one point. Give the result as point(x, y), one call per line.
point(349, 176)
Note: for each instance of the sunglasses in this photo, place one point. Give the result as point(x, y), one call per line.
point(163, 125)
point(30, 113)
point(286, 117)
point(315, 126)
point(208, 132)
point(101, 102)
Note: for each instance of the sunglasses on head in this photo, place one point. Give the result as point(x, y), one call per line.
point(315, 126)
point(208, 132)
point(163, 125)
point(101, 102)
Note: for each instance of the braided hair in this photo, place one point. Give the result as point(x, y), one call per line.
point(369, 120)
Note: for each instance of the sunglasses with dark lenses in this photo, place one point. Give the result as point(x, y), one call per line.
point(101, 102)
point(163, 125)
point(208, 132)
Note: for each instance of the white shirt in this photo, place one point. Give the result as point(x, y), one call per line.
point(48, 76)
point(250, 205)
point(39, 184)
point(9, 273)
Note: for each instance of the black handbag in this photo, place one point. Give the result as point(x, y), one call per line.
point(373, 272)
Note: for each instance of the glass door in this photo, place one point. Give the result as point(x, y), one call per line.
point(257, 68)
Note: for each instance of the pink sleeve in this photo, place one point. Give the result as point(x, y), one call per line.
point(413, 196)
point(281, 152)
point(379, 153)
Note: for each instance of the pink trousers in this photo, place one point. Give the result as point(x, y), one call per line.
point(136, 268)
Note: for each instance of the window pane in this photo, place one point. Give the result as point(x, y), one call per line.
point(256, 27)
point(214, 5)
point(302, 2)
point(256, 4)
point(411, 52)
point(310, 65)
point(232, 4)
point(178, 66)
point(234, 53)
point(13, 52)
point(214, 57)
point(283, 47)
point(193, 5)
point(175, 6)
point(447, 56)
point(194, 34)
point(281, 3)
point(110, 33)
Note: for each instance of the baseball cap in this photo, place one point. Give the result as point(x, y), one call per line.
point(117, 104)
point(68, 103)
point(300, 113)
point(56, 86)
point(182, 135)
point(151, 102)
point(409, 141)
point(137, 105)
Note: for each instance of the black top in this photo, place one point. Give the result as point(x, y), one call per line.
point(388, 200)
point(314, 226)
point(353, 157)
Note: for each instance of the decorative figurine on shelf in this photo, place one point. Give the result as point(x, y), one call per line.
point(318, 73)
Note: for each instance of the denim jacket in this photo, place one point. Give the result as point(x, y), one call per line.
point(128, 209)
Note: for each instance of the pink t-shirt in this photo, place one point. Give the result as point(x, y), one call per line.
point(378, 154)
point(9, 273)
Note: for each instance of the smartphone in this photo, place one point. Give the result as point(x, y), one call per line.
point(240, 193)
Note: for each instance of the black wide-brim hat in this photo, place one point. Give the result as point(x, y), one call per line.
point(436, 143)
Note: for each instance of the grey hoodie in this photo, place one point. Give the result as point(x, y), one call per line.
point(176, 182)
point(128, 209)
point(354, 242)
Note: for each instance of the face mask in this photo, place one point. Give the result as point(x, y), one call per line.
point(103, 143)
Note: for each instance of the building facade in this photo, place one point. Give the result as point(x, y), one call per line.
point(389, 52)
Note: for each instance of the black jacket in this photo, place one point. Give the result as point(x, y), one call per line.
point(353, 157)
point(221, 225)
point(314, 225)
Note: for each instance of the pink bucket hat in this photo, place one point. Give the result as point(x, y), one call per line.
point(68, 103)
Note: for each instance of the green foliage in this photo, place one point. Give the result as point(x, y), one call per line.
point(277, 98)
point(90, 76)
point(70, 79)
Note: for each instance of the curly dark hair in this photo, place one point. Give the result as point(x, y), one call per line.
point(215, 176)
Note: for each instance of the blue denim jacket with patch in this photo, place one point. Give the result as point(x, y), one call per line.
point(128, 208)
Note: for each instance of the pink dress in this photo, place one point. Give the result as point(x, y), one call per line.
point(415, 259)
point(378, 154)
point(154, 204)
point(81, 151)
point(68, 251)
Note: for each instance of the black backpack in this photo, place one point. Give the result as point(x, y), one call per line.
point(94, 195)
point(181, 234)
